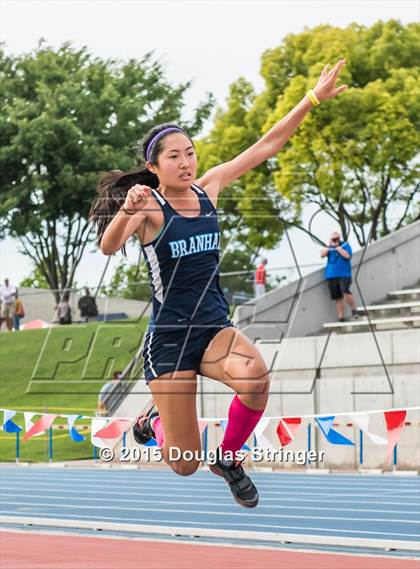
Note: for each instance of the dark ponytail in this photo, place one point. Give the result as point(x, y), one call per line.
point(111, 191)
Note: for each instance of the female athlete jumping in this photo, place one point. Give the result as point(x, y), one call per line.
point(174, 216)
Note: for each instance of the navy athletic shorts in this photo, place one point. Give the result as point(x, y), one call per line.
point(183, 349)
point(339, 286)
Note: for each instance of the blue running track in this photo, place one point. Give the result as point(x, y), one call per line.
point(334, 506)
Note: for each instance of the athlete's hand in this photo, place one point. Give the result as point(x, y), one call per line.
point(326, 87)
point(137, 198)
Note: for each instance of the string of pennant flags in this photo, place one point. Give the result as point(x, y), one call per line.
point(105, 429)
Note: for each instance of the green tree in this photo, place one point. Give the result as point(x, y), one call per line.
point(65, 117)
point(36, 279)
point(355, 157)
point(237, 261)
point(250, 207)
point(130, 280)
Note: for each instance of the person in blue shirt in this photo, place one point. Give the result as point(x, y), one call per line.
point(338, 274)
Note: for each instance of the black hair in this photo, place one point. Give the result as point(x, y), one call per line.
point(157, 146)
point(112, 187)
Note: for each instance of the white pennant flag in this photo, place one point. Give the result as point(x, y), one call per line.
point(27, 415)
point(362, 421)
point(8, 414)
point(262, 441)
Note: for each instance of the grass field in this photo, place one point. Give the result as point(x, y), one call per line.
point(61, 370)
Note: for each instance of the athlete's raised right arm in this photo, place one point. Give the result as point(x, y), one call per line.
point(218, 177)
point(127, 220)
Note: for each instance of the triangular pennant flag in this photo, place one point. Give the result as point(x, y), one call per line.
point(98, 423)
point(286, 429)
point(362, 421)
point(73, 432)
point(394, 425)
point(8, 425)
point(223, 424)
point(332, 436)
point(262, 441)
point(114, 430)
point(27, 416)
point(40, 426)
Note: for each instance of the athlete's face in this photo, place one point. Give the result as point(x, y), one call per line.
point(177, 162)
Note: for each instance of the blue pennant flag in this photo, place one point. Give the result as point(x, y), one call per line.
point(332, 436)
point(223, 424)
point(8, 425)
point(73, 432)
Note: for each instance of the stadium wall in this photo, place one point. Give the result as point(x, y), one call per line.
point(301, 308)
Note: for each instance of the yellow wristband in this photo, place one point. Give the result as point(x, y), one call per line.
point(312, 97)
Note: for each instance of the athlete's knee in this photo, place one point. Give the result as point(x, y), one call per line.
point(264, 383)
point(259, 383)
point(185, 468)
point(261, 386)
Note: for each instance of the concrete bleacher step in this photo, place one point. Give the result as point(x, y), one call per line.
point(412, 307)
point(378, 323)
point(406, 293)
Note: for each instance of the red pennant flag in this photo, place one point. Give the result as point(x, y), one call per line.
point(114, 429)
point(394, 425)
point(287, 428)
point(40, 426)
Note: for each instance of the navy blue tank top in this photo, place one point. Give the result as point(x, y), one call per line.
point(183, 266)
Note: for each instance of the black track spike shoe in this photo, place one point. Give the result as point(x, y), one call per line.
point(142, 430)
point(242, 488)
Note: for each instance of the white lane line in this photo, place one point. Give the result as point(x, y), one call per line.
point(92, 468)
point(96, 469)
point(31, 505)
point(218, 525)
point(59, 482)
point(219, 490)
point(176, 501)
point(163, 472)
point(140, 475)
point(116, 492)
point(322, 490)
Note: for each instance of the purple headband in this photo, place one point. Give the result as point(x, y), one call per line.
point(159, 135)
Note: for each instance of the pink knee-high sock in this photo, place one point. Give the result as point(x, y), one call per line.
point(241, 422)
point(158, 430)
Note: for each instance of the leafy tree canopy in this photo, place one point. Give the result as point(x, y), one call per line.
point(65, 116)
point(355, 156)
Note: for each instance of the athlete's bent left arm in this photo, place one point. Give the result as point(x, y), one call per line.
point(273, 141)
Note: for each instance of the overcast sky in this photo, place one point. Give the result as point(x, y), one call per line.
point(210, 42)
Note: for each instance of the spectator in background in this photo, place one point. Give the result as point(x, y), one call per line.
point(87, 306)
point(8, 297)
point(260, 278)
point(64, 310)
point(19, 313)
point(107, 389)
point(338, 274)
